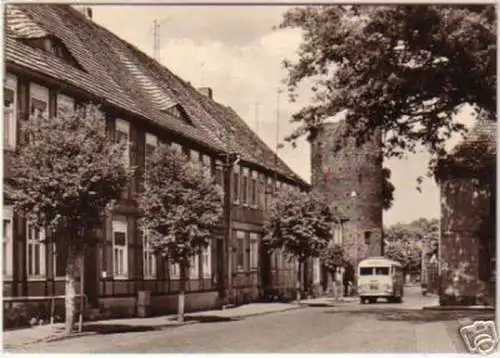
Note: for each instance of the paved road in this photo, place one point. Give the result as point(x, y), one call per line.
point(346, 328)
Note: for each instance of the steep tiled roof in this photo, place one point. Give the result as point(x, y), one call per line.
point(120, 74)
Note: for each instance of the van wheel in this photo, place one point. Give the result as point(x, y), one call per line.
point(373, 300)
point(398, 299)
point(362, 300)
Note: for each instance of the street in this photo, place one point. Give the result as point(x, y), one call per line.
point(344, 328)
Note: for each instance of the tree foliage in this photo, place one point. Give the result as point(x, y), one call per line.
point(181, 206)
point(333, 257)
point(68, 172)
point(65, 175)
point(387, 189)
point(406, 242)
point(299, 223)
point(406, 69)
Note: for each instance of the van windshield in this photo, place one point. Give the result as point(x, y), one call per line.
point(377, 271)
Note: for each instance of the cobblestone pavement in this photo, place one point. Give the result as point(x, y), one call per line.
point(348, 327)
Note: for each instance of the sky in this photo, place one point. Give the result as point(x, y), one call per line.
point(236, 52)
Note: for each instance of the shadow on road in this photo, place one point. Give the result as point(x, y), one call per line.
point(209, 319)
point(117, 328)
point(416, 315)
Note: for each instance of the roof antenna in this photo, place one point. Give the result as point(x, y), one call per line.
point(156, 37)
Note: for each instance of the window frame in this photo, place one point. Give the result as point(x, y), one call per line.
point(62, 100)
point(236, 180)
point(148, 255)
point(240, 240)
point(254, 189)
point(194, 267)
point(42, 276)
point(245, 185)
point(39, 93)
point(8, 243)
point(174, 270)
point(123, 127)
point(253, 242)
point(120, 225)
point(150, 140)
point(54, 263)
point(11, 83)
point(206, 267)
point(206, 162)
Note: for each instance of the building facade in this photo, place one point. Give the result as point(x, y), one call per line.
point(58, 59)
point(351, 178)
point(467, 247)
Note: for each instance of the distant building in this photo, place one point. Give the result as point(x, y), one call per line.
point(351, 179)
point(56, 58)
point(467, 248)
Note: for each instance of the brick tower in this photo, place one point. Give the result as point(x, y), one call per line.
point(351, 178)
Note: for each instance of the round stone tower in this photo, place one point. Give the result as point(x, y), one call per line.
point(351, 179)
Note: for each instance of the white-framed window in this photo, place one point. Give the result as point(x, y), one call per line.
point(254, 250)
point(262, 191)
point(176, 147)
point(207, 165)
point(194, 267)
point(316, 270)
point(240, 249)
point(149, 258)
point(35, 251)
point(236, 184)
point(254, 189)
point(174, 270)
point(150, 145)
point(65, 104)
point(8, 244)
point(338, 234)
point(245, 186)
point(120, 249)
point(206, 261)
point(39, 100)
point(123, 135)
point(10, 111)
point(194, 157)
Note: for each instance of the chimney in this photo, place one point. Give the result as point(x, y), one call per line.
point(207, 91)
point(86, 10)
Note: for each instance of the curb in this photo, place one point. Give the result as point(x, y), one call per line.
point(459, 308)
point(59, 337)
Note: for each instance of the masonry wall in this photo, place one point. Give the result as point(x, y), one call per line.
point(341, 168)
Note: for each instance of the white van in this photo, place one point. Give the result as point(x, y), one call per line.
point(380, 277)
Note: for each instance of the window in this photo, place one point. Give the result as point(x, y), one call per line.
point(175, 271)
point(123, 135)
point(368, 234)
point(269, 191)
point(194, 156)
point(206, 262)
point(8, 235)
point(254, 250)
point(149, 257)
point(151, 143)
point(338, 234)
point(236, 184)
point(240, 250)
point(262, 191)
point(244, 187)
point(194, 267)
point(65, 105)
point(381, 271)
point(10, 111)
point(207, 168)
point(39, 100)
point(253, 189)
point(219, 173)
point(35, 252)
point(120, 252)
point(366, 271)
point(176, 147)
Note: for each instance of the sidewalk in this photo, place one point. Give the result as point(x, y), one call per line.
point(37, 334)
point(327, 301)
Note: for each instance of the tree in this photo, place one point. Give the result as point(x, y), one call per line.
point(333, 257)
point(406, 242)
point(65, 176)
point(181, 208)
point(300, 224)
point(404, 69)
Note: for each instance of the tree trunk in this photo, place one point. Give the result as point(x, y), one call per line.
point(70, 289)
point(82, 297)
point(298, 285)
point(182, 294)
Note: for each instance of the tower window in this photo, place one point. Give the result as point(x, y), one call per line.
point(368, 234)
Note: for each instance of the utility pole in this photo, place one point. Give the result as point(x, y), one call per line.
point(157, 37)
